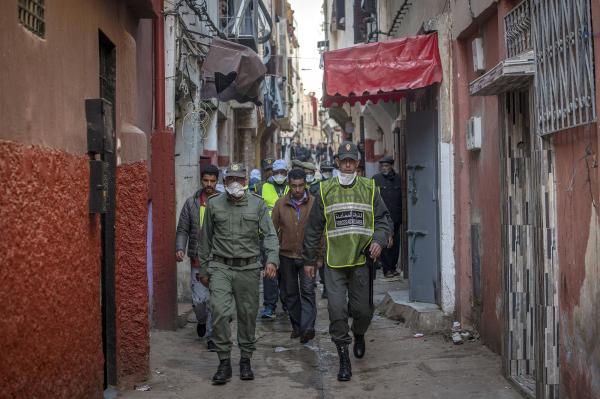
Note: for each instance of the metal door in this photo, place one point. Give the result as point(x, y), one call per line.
point(422, 205)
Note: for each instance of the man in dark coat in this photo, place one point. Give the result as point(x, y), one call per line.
point(390, 188)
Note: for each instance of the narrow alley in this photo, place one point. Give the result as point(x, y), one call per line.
point(396, 365)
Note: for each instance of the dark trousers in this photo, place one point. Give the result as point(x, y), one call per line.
point(348, 286)
point(389, 256)
point(299, 294)
point(270, 292)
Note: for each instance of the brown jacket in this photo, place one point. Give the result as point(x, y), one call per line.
point(290, 230)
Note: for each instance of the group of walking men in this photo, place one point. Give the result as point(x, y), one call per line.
point(286, 229)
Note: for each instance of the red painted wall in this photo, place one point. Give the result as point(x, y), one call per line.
point(133, 346)
point(51, 345)
point(477, 180)
point(163, 222)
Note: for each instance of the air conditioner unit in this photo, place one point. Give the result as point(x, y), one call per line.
point(474, 133)
point(478, 58)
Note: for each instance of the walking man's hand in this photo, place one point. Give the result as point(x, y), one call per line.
point(179, 256)
point(270, 270)
point(375, 250)
point(205, 281)
point(309, 271)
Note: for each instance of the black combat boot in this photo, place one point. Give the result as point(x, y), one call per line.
point(246, 369)
point(223, 373)
point(345, 372)
point(359, 346)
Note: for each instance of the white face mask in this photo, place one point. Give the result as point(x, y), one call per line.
point(310, 178)
point(279, 179)
point(235, 189)
point(326, 175)
point(346, 179)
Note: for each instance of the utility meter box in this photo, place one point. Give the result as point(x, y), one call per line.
point(474, 133)
point(478, 57)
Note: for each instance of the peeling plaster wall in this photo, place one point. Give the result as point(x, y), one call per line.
point(579, 257)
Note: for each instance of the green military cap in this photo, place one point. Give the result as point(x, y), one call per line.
point(348, 150)
point(326, 165)
point(236, 169)
point(296, 163)
point(267, 163)
point(309, 166)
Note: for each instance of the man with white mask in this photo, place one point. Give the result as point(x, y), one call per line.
point(356, 223)
point(229, 255)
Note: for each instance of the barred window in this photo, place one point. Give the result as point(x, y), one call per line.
point(565, 92)
point(31, 15)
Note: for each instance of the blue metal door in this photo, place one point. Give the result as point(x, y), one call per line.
point(422, 206)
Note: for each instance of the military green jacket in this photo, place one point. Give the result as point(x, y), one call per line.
point(233, 229)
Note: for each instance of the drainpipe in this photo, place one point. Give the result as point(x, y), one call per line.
point(159, 69)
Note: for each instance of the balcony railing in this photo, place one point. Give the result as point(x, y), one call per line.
point(517, 26)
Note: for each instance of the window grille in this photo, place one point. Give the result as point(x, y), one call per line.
point(517, 26)
point(31, 15)
point(564, 81)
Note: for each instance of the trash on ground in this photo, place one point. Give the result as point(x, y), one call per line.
point(157, 371)
point(457, 338)
point(142, 387)
point(418, 335)
point(456, 326)
point(281, 349)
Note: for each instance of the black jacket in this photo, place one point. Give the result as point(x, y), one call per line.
point(390, 189)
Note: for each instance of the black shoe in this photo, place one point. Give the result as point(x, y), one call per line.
point(307, 336)
point(210, 345)
point(246, 373)
point(295, 334)
point(201, 329)
point(359, 346)
point(324, 294)
point(223, 373)
point(345, 373)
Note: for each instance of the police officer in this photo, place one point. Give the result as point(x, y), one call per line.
point(311, 181)
point(267, 166)
point(356, 222)
point(326, 174)
point(272, 190)
point(233, 224)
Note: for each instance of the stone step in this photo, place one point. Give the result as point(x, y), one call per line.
point(419, 316)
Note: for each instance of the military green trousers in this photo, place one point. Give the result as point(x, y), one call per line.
point(351, 283)
point(229, 285)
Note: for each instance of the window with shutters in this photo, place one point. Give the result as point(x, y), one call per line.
point(564, 80)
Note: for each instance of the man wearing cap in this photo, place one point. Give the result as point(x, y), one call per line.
point(390, 188)
point(351, 213)
point(311, 180)
point(272, 190)
point(190, 222)
point(267, 167)
point(229, 257)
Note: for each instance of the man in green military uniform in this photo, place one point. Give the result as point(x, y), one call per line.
point(311, 181)
point(356, 223)
point(234, 222)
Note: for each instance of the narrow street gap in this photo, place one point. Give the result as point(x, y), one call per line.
point(396, 364)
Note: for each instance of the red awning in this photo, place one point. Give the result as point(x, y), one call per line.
point(381, 71)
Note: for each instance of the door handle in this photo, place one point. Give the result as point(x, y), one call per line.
point(414, 234)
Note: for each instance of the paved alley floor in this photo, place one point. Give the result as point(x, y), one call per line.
point(396, 365)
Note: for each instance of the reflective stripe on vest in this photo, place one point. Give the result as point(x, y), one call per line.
point(349, 221)
point(202, 211)
point(269, 194)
